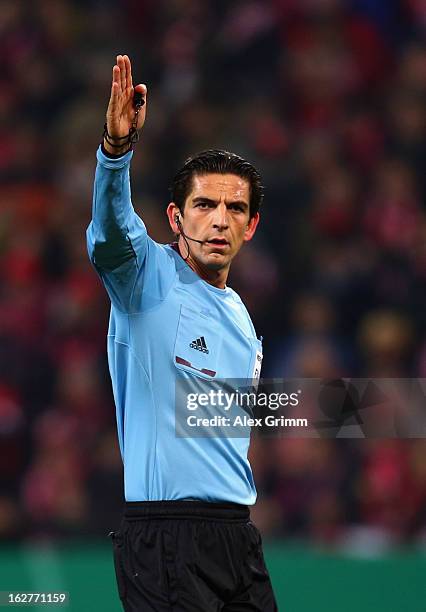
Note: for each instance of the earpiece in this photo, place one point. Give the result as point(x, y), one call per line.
point(181, 232)
point(177, 221)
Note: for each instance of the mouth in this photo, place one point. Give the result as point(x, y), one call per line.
point(218, 242)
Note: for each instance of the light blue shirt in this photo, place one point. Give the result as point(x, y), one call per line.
point(159, 307)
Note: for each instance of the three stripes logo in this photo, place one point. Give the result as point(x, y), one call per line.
point(199, 345)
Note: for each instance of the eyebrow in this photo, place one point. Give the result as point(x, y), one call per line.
point(199, 199)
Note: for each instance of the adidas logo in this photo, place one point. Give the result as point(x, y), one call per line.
point(199, 345)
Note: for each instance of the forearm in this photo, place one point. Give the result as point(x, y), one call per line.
point(114, 221)
point(112, 203)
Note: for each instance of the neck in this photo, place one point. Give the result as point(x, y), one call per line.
point(217, 278)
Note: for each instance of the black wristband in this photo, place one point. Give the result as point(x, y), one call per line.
point(111, 155)
point(131, 138)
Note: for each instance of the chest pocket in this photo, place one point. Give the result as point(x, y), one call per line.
point(198, 344)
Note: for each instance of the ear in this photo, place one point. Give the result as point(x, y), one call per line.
point(172, 212)
point(251, 227)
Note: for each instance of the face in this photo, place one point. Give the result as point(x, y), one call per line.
point(217, 212)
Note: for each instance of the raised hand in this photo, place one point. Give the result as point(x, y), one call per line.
point(121, 110)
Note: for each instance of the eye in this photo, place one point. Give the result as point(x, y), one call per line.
point(204, 205)
point(236, 207)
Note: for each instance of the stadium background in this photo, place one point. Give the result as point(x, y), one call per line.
point(327, 99)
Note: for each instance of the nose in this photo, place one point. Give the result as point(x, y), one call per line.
point(220, 217)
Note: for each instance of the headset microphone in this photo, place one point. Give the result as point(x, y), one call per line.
point(179, 224)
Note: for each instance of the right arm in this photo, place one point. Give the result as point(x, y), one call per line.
point(116, 234)
point(114, 222)
point(117, 240)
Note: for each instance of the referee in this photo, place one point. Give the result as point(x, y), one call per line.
point(186, 542)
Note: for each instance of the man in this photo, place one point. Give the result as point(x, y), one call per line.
point(186, 542)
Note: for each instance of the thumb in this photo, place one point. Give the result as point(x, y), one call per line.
point(141, 88)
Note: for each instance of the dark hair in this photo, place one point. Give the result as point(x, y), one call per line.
point(216, 161)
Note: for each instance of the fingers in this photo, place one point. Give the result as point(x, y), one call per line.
point(116, 75)
point(122, 66)
point(128, 67)
point(115, 89)
point(122, 91)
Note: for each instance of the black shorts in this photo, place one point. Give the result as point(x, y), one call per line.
point(190, 557)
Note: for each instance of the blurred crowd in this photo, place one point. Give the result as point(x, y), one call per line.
point(327, 99)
